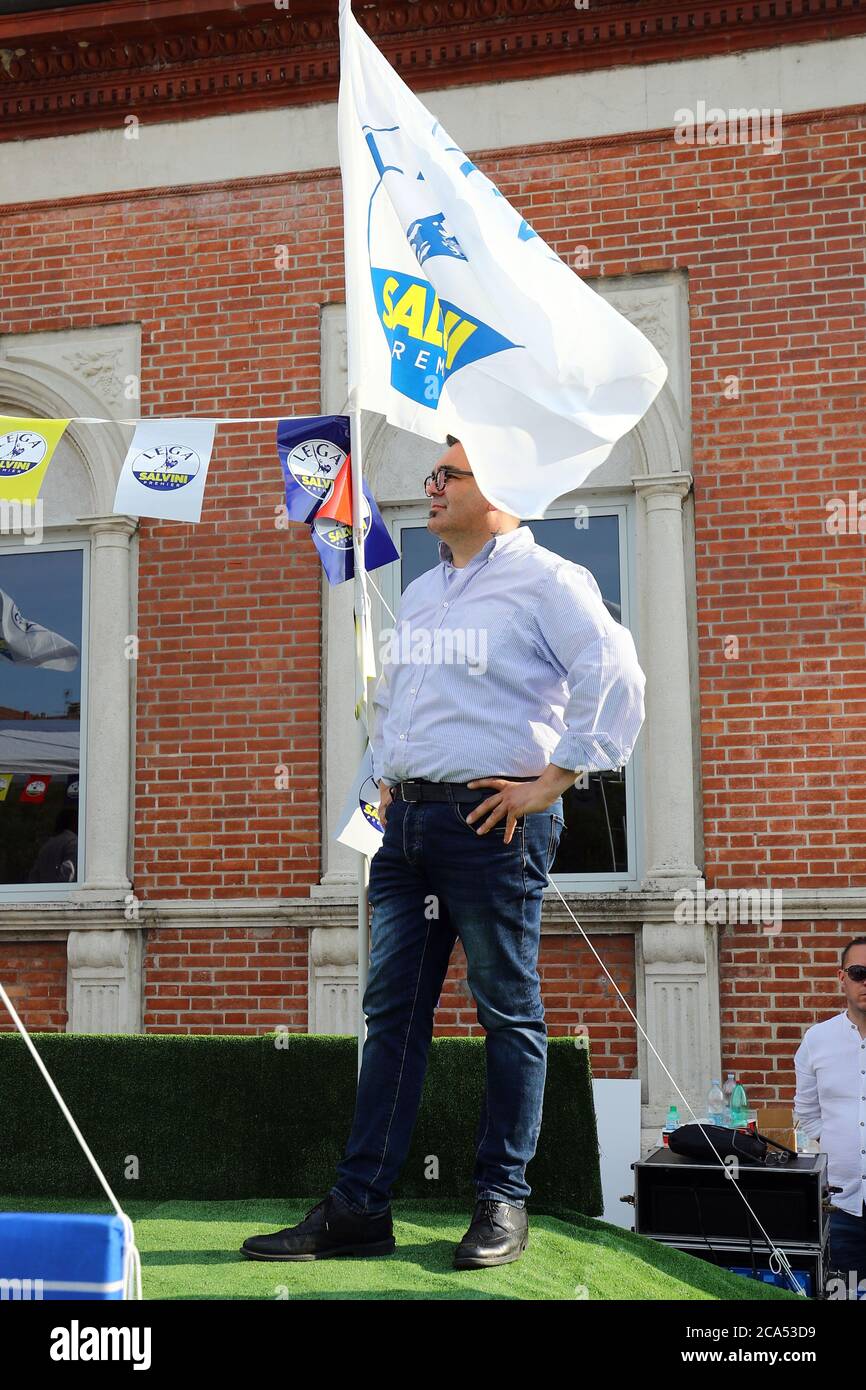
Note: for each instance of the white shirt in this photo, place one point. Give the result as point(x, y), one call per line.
point(535, 671)
point(830, 1102)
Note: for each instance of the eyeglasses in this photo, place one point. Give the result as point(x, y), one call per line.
point(439, 478)
point(857, 973)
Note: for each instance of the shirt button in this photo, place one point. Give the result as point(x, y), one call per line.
point(412, 691)
point(402, 735)
point(445, 604)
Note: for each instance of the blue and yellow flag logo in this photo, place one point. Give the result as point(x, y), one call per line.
point(26, 449)
point(429, 337)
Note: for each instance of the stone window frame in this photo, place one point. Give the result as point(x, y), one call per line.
point(26, 893)
point(650, 470)
point(65, 375)
point(676, 965)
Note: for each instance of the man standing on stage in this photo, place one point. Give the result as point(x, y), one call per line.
point(472, 757)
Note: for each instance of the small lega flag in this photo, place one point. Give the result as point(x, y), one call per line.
point(35, 789)
point(359, 826)
point(317, 469)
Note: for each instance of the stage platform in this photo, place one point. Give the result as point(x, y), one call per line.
point(191, 1250)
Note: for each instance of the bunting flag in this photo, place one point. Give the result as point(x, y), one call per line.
point(358, 825)
point(5, 784)
point(165, 470)
point(317, 469)
point(26, 449)
point(461, 319)
point(29, 644)
point(35, 789)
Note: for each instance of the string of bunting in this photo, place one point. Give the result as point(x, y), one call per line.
point(165, 472)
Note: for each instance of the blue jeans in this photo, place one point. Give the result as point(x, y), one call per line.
point(434, 879)
point(848, 1246)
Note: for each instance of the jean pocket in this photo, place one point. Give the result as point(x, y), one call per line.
point(462, 809)
point(557, 825)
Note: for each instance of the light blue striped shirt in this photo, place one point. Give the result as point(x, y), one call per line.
point(503, 666)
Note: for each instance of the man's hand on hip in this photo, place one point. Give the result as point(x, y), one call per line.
point(514, 799)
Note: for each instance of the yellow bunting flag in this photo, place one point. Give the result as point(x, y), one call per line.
point(26, 449)
point(5, 783)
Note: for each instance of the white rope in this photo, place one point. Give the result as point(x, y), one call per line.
point(774, 1249)
point(131, 1257)
point(159, 419)
point(381, 595)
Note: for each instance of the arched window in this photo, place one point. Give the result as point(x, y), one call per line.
point(71, 566)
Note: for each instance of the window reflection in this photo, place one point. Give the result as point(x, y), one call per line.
point(40, 715)
point(595, 839)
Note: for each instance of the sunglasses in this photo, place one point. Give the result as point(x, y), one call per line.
point(857, 973)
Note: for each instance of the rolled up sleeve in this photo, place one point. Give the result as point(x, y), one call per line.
point(598, 658)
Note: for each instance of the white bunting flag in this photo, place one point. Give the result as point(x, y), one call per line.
point(461, 319)
point(29, 644)
point(359, 826)
point(165, 469)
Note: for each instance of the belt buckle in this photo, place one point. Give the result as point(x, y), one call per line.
point(410, 799)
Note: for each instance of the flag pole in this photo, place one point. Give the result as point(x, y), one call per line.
point(361, 618)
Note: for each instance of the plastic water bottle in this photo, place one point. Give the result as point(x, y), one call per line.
point(727, 1092)
point(739, 1105)
point(671, 1123)
point(716, 1105)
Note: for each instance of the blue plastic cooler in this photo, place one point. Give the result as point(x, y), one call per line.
point(56, 1255)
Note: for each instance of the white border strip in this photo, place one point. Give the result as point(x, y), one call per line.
point(59, 1286)
point(502, 115)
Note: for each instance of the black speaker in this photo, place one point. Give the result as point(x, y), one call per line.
point(677, 1198)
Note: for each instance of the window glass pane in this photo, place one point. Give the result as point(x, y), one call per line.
point(40, 714)
point(595, 839)
point(419, 551)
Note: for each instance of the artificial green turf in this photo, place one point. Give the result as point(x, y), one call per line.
point(191, 1250)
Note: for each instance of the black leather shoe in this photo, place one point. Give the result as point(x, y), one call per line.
point(328, 1229)
point(498, 1235)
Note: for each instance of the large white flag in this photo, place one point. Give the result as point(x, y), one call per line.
point(28, 644)
point(461, 319)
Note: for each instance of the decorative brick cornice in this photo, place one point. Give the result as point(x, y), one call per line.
point(82, 67)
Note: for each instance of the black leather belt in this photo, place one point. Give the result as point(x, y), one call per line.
point(422, 790)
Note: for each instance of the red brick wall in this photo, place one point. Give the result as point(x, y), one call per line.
point(774, 987)
point(228, 676)
point(576, 997)
point(225, 980)
point(34, 976)
point(254, 979)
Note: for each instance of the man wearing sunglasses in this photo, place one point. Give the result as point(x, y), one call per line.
point(471, 758)
point(830, 1104)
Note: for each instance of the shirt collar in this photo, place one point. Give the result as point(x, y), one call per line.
point(518, 539)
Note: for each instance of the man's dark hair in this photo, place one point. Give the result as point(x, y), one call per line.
point(858, 941)
point(451, 439)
